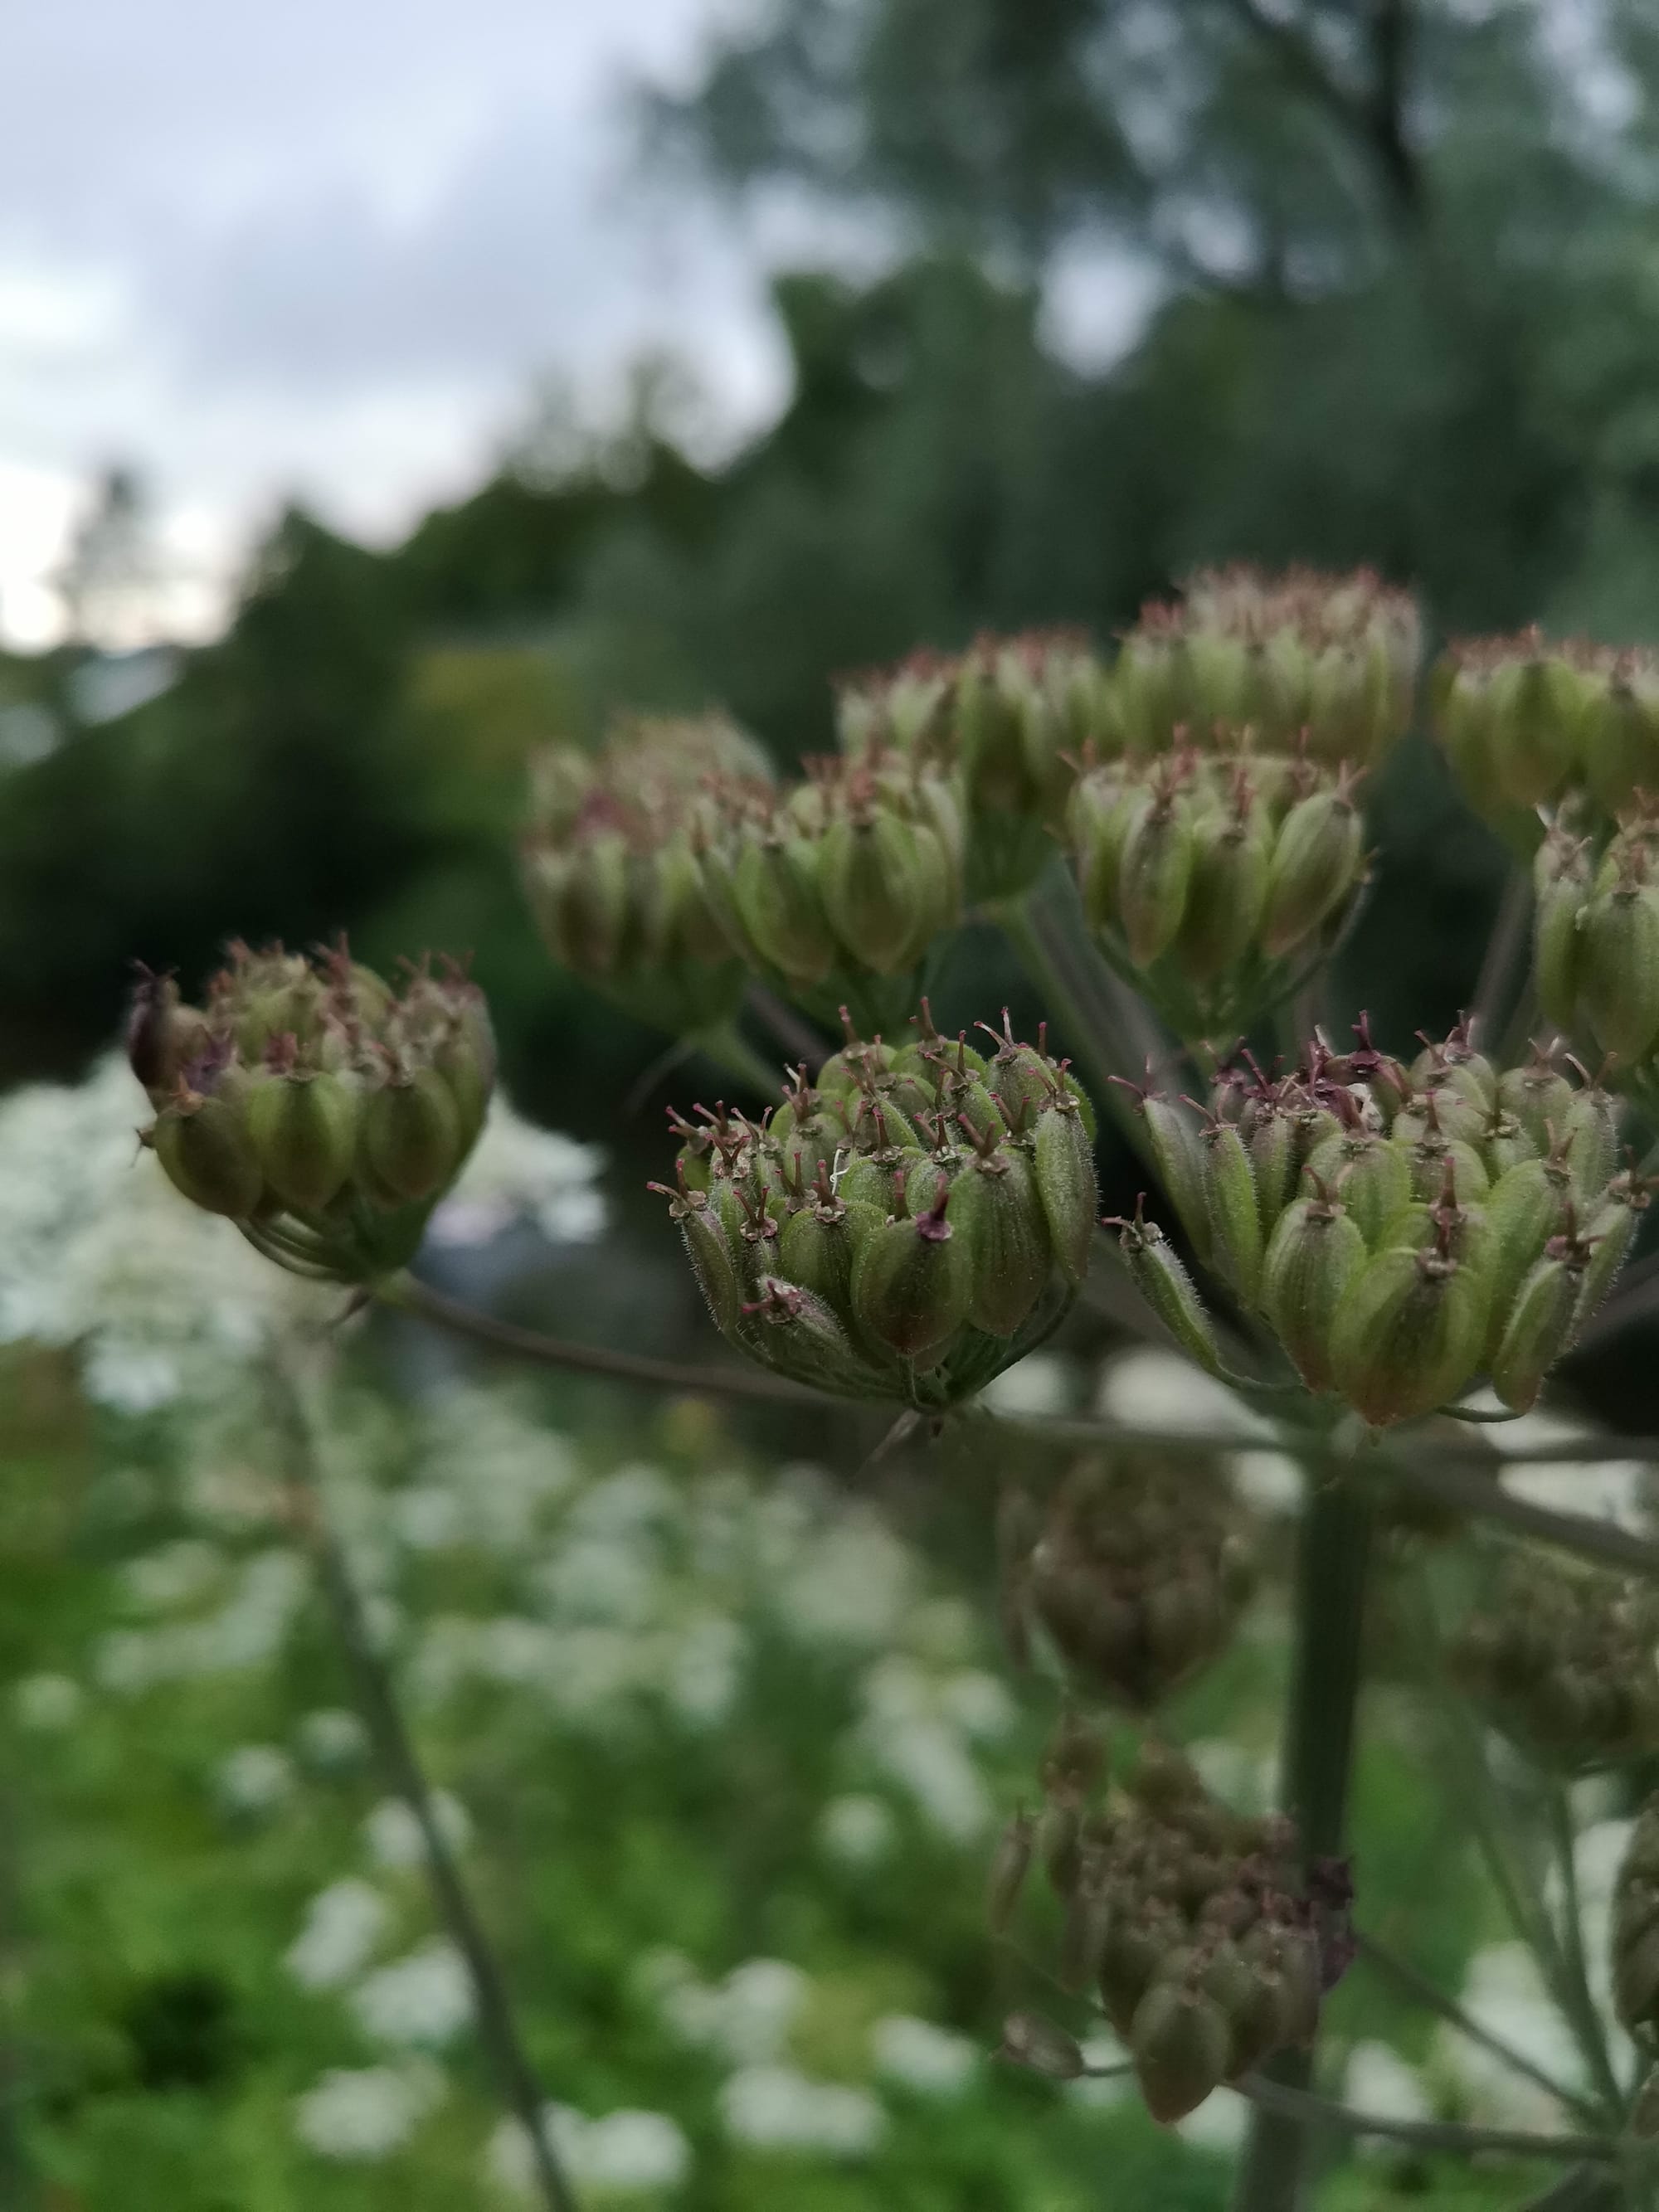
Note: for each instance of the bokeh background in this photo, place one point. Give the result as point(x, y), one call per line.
point(384, 390)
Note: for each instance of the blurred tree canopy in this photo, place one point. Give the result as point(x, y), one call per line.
point(1404, 309)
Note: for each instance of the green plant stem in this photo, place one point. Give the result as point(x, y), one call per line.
point(1506, 948)
point(408, 1294)
point(731, 1051)
point(395, 1747)
point(1418, 1985)
point(1581, 2004)
point(1450, 1474)
point(1048, 958)
point(1309, 2112)
point(1332, 1564)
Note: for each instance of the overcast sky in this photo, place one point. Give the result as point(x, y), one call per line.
point(327, 247)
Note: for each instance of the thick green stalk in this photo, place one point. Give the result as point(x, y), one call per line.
point(1104, 1054)
point(1332, 1562)
point(731, 1051)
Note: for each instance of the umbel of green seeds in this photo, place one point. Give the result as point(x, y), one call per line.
point(1215, 875)
point(1403, 1230)
point(1597, 943)
point(616, 866)
point(323, 1112)
point(1324, 663)
point(1562, 1657)
point(1005, 722)
point(1209, 1948)
point(1537, 728)
point(904, 1227)
point(1139, 1572)
point(834, 889)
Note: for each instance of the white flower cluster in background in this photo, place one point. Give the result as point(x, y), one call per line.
point(625, 2154)
point(99, 1251)
point(362, 2114)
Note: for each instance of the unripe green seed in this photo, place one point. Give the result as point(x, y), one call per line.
point(913, 1283)
point(1159, 1275)
point(1316, 1251)
point(870, 879)
point(1315, 863)
point(1591, 1125)
point(1523, 1211)
point(1431, 1158)
point(1370, 1174)
point(1618, 970)
point(797, 1334)
point(1274, 1148)
point(1611, 1233)
point(304, 1130)
point(411, 1134)
point(1180, 2044)
point(818, 1245)
point(1178, 1155)
point(1234, 1214)
point(1156, 872)
point(1538, 1095)
point(205, 1148)
point(776, 897)
point(1556, 948)
point(1065, 1175)
point(1407, 1335)
point(997, 1211)
point(1538, 1330)
point(1226, 893)
point(711, 1263)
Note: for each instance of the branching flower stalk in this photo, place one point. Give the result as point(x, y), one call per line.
point(382, 1713)
point(1354, 1238)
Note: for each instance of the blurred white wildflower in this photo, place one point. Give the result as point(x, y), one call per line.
point(518, 1172)
point(98, 1250)
point(746, 2018)
point(1379, 2082)
point(248, 1630)
point(424, 1998)
point(908, 1729)
point(857, 1830)
point(165, 1302)
point(1242, 1778)
point(1218, 2124)
point(1040, 1383)
point(343, 1925)
point(254, 1778)
point(1598, 1853)
point(775, 2108)
point(491, 1456)
point(393, 1834)
point(365, 2113)
point(172, 1574)
point(1271, 1481)
point(981, 1706)
point(704, 1669)
point(46, 1702)
point(624, 2153)
point(852, 1584)
point(1100, 2089)
point(923, 2057)
point(332, 1739)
